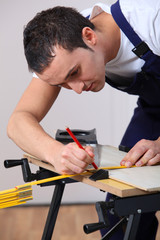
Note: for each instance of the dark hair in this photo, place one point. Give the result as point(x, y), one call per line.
point(57, 26)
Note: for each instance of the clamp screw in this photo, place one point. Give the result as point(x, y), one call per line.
point(139, 211)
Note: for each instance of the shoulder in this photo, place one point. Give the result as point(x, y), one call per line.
point(95, 10)
point(139, 5)
point(144, 17)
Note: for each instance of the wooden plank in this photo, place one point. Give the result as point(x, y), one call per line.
point(108, 185)
point(109, 156)
point(146, 178)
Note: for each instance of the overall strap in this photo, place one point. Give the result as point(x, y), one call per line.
point(140, 46)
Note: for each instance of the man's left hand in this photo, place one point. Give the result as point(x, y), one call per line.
point(144, 152)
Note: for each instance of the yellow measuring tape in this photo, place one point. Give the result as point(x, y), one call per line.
point(22, 193)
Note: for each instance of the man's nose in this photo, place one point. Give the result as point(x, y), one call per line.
point(76, 86)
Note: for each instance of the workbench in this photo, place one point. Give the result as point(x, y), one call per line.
point(135, 190)
point(129, 202)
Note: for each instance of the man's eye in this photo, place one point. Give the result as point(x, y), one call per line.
point(74, 72)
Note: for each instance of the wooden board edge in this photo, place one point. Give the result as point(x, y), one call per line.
point(150, 190)
point(108, 185)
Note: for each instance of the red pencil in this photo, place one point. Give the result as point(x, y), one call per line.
point(78, 143)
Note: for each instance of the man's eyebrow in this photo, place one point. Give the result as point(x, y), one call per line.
point(70, 71)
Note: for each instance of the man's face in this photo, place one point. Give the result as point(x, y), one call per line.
point(79, 70)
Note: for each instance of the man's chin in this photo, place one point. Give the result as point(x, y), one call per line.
point(99, 88)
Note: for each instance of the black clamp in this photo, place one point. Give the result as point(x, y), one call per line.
point(102, 211)
point(124, 148)
point(40, 174)
point(141, 49)
point(101, 208)
point(83, 136)
point(27, 175)
point(99, 175)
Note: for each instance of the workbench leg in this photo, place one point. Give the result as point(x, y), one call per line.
point(132, 226)
point(53, 211)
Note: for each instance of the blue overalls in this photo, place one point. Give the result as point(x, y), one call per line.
point(145, 123)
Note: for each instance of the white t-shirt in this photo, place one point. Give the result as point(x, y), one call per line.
point(144, 17)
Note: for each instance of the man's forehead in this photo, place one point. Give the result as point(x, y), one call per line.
point(59, 69)
point(52, 72)
point(62, 64)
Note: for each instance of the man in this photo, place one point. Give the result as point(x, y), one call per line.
point(60, 46)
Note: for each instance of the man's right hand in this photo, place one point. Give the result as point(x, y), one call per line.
point(70, 159)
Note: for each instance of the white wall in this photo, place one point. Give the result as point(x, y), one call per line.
point(108, 111)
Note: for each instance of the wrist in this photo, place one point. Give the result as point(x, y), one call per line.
point(52, 151)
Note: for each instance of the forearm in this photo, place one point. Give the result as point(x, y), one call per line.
point(27, 133)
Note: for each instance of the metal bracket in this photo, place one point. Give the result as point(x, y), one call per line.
point(99, 175)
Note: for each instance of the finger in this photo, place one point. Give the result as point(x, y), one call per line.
point(122, 162)
point(67, 171)
point(145, 158)
point(90, 151)
point(85, 155)
point(75, 159)
point(131, 158)
point(81, 163)
point(135, 153)
point(72, 168)
point(154, 160)
point(64, 170)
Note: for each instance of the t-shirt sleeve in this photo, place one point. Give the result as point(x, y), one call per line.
point(86, 12)
point(35, 76)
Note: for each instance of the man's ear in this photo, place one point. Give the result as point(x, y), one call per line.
point(89, 36)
